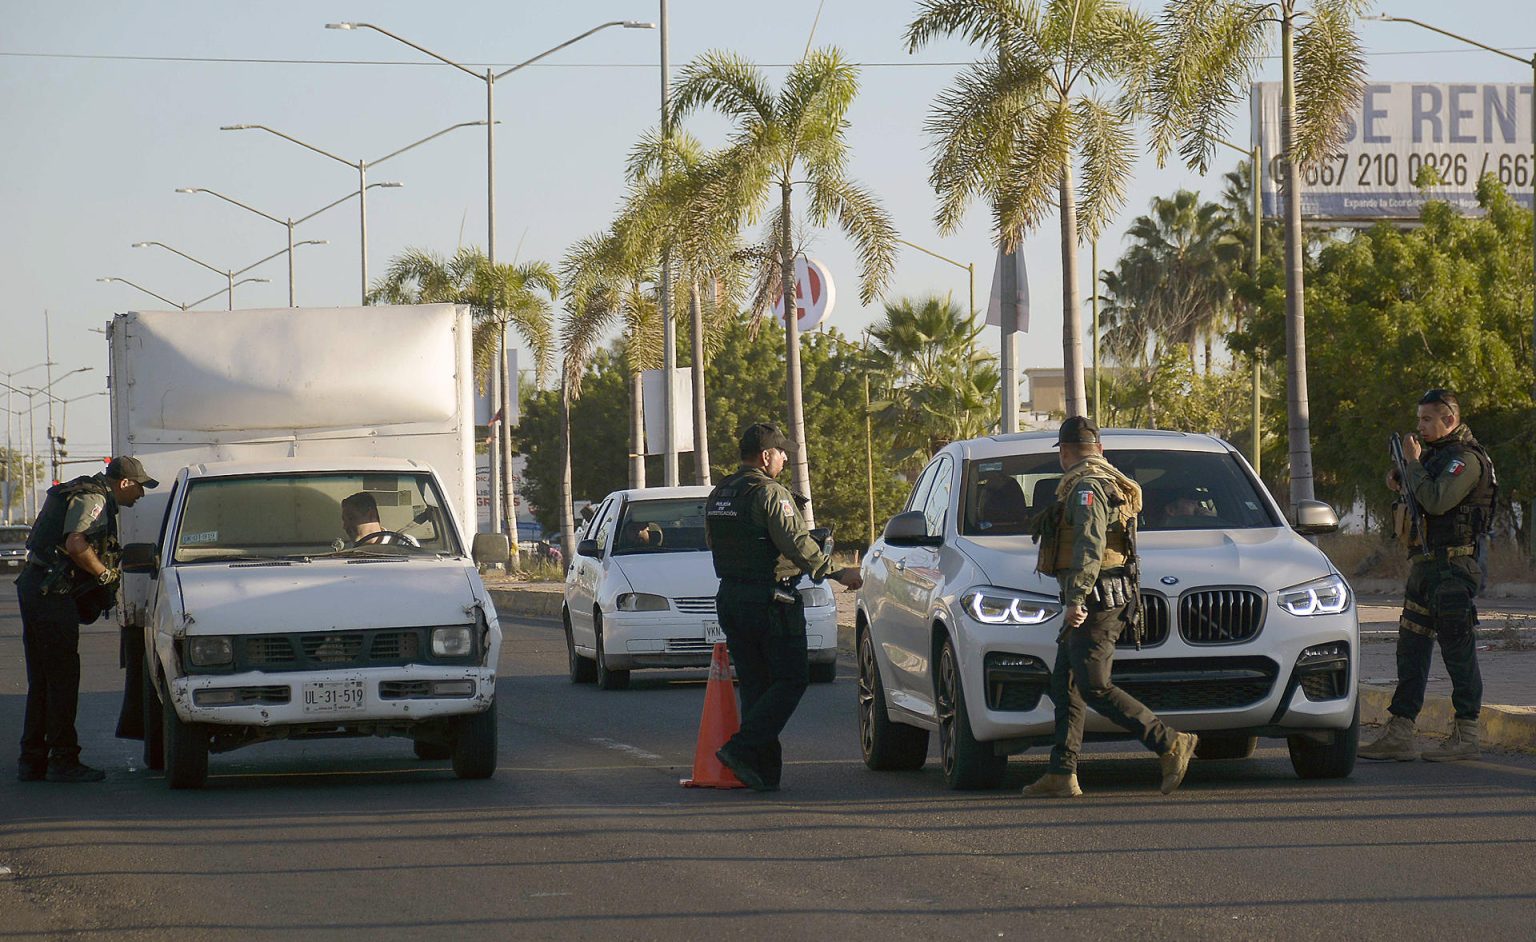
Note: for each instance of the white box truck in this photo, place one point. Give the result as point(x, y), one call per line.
point(304, 570)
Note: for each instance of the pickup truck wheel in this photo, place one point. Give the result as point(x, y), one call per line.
point(432, 751)
point(154, 735)
point(1220, 746)
point(474, 745)
point(1312, 759)
point(186, 750)
point(888, 746)
point(582, 670)
point(606, 679)
point(967, 764)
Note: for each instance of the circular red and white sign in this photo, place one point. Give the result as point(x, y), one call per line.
point(814, 294)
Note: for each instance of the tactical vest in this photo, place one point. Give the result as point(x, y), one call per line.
point(741, 548)
point(1470, 519)
point(47, 539)
point(1056, 538)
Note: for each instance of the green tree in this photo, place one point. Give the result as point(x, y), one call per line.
point(796, 137)
point(602, 415)
point(19, 468)
point(1016, 127)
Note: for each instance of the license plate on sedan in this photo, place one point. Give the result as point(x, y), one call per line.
point(333, 696)
point(713, 633)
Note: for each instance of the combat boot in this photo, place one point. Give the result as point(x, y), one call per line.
point(1054, 785)
point(1461, 744)
point(1175, 762)
point(1395, 742)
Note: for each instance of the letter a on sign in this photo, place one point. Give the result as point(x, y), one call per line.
point(814, 294)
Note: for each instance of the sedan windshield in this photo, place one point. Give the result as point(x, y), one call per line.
point(674, 525)
point(313, 514)
point(1181, 490)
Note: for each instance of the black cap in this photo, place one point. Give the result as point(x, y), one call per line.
point(129, 468)
point(761, 437)
point(1078, 430)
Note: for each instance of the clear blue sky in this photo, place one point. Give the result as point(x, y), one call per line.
point(97, 140)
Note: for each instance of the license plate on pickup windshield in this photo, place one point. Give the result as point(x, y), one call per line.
point(333, 696)
point(713, 633)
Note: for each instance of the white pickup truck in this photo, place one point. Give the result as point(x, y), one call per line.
point(262, 615)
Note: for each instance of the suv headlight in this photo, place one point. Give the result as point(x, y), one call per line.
point(993, 606)
point(453, 641)
point(210, 652)
point(1326, 596)
point(641, 602)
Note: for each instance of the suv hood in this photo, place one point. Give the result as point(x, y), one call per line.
point(1269, 559)
point(325, 595)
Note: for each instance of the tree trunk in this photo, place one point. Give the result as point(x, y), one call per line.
point(1299, 423)
point(567, 515)
point(700, 413)
point(800, 481)
point(498, 430)
point(508, 480)
point(636, 430)
point(1071, 303)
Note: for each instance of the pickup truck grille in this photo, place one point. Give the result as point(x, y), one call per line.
point(323, 650)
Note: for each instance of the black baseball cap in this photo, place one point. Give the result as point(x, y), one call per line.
point(1078, 430)
point(761, 437)
point(129, 468)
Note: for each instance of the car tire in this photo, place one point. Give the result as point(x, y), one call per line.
point(1312, 759)
point(967, 764)
point(1214, 746)
point(474, 744)
point(888, 746)
point(432, 751)
point(154, 734)
point(582, 669)
point(186, 750)
point(606, 679)
point(823, 672)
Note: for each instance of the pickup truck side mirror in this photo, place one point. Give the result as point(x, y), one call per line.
point(1314, 517)
point(588, 548)
point(910, 529)
point(491, 549)
point(141, 558)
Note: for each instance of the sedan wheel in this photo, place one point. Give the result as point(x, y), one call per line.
point(968, 764)
point(582, 670)
point(606, 679)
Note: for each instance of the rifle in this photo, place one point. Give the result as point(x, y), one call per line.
point(1417, 528)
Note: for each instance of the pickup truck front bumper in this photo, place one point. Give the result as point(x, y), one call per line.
point(407, 693)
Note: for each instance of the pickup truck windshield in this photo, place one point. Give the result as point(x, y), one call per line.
point(313, 514)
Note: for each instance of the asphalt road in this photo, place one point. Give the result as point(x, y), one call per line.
point(584, 833)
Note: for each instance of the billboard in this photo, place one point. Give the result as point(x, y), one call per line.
point(1463, 130)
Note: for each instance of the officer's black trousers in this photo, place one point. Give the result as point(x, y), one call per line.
point(1084, 659)
point(1437, 605)
point(767, 644)
point(50, 639)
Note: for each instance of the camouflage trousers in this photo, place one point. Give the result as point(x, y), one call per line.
point(1438, 605)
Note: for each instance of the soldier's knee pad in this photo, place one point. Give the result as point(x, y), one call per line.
point(1455, 613)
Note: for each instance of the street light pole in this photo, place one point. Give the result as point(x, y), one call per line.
point(10, 452)
point(229, 274)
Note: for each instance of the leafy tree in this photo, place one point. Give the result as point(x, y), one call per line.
point(19, 468)
point(602, 416)
point(1017, 126)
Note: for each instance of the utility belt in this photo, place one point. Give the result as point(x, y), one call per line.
point(1443, 553)
point(784, 591)
point(1112, 590)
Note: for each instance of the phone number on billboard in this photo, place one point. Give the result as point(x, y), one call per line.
point(1389, 170)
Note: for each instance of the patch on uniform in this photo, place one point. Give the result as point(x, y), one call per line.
point(788, 506)
point(93, 510)
point(1085, 498)
point(1456, 467)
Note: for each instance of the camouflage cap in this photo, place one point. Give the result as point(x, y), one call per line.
point(1078, 430)
point(129, 468)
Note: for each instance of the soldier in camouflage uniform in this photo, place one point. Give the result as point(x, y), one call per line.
point(73, 539)
point(761, 547)
point(1453, 480)
point(1092, 554)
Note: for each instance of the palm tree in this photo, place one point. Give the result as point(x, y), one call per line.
point(777, 142)
point(1015, 126)
point(1210, 50)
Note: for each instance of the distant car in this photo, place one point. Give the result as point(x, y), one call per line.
point(1250, 630)
point(641, 592)
point(13, 548)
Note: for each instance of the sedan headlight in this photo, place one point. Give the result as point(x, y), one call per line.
point(210, 652)
point(993, 606)
point(642, 602)
point(1326, 596)
point(453, 641)
point(816, 596)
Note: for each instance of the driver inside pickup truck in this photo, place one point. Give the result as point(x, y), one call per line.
point(360, 521)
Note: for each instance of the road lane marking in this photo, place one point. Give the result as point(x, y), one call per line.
point(625, 748)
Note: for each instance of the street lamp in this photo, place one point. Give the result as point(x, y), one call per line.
point(288, 223)
point(31, 392)
point(968, 267)
point(361, 166)
point(230, 274)
point(10, 452)
point(501, 454)
point(177, 304)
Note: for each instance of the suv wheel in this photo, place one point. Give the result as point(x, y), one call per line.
point(582, 670)
point(606, 679)
point(888, 746)
point(968, 764)
point(1312, 759)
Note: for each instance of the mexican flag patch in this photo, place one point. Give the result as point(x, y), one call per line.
point(1085, 498)
point(1456, 467)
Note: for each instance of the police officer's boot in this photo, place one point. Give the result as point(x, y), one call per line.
point(1461, 744)
point(1054, 785)
point(1395, 742)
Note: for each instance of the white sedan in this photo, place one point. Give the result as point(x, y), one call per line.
point(641, 592)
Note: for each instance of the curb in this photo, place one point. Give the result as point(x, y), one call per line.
point(1502, 727)
point(527, 602)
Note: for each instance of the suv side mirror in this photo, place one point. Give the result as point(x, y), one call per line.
point(491, 549)
point(140, 558)
point(1314, 517)
point(588, 548)
point(910, 529)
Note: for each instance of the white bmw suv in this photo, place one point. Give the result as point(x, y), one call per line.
point(1250, 630)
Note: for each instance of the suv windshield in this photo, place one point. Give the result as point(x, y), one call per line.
point(674, 525)
point(279, 516)
point(1181, 490)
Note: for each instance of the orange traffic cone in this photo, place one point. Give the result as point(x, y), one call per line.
point(719, 723)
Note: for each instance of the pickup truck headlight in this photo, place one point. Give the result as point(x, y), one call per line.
point(1326, 596)
point(994, 606)
point(210, 652)
point(642, 602)
point(453, 641)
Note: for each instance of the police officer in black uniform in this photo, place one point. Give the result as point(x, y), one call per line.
point(68, 579)
point(761, 547)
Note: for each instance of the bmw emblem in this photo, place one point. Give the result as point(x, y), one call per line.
point(1169, 580)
